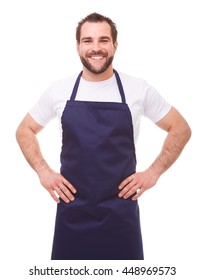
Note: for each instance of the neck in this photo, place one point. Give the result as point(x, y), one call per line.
point(89, 76)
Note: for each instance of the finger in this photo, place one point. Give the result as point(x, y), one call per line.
point(65, 193)
point(69, 185)
point(138, 194)
point(124, 191)
point(130, 192)
point(125, 182)
point(52, 193)
point(127, 188)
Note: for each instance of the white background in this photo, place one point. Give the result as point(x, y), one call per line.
point(160, 41)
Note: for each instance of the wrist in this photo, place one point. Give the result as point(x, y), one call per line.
point(155, 171)
point(42, 169)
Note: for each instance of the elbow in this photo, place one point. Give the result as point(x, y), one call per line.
point(186, 132)
point(21, 133)
point(18, 134)
point(182, 132)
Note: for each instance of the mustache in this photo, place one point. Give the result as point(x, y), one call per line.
point(100, 53)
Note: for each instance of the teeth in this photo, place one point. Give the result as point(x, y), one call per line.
point(97, 57)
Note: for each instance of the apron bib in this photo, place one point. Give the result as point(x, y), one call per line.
point(97, 154)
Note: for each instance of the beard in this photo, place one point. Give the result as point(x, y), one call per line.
point(92, 69)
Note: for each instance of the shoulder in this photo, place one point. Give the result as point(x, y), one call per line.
point(59, 89)
point(63, 86)
point(138, 87)
point(131, 81)
point(135, 88)
point(140, 94)
point(52, 101)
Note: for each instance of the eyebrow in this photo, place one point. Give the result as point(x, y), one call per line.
point(102, 37)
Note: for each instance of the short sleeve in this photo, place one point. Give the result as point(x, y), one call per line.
point(42, 112)
point(155, 107)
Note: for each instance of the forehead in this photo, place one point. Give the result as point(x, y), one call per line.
point(95, 29)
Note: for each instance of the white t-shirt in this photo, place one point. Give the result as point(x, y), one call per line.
point(141, 98)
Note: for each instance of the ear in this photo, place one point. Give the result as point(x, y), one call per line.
point(115, 45)
point(77, 47)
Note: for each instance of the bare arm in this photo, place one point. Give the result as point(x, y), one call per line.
point(178, 135)
point(53, 182)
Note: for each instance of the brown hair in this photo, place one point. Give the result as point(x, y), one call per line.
point(95, 17)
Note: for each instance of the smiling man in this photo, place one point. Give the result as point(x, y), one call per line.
point(97, 188)
point(97, 50)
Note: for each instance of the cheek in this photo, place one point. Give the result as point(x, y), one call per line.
point(81, 51)
point(111, 50)
point(114, 49)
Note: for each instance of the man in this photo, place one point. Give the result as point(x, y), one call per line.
point(98, 186)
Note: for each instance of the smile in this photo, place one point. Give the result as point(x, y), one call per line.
point(96, 57)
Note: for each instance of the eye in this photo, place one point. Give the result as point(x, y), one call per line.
point(87, 41)
point(104, 41)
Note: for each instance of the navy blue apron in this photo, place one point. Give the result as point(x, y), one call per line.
point(98, 153)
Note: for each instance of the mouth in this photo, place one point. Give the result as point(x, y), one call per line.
point(96, 57)
point(96, 63)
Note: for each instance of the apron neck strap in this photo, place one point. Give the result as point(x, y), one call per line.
point(119, 83)
point(75, 88)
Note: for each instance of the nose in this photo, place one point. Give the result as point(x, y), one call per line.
point(96, 46)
